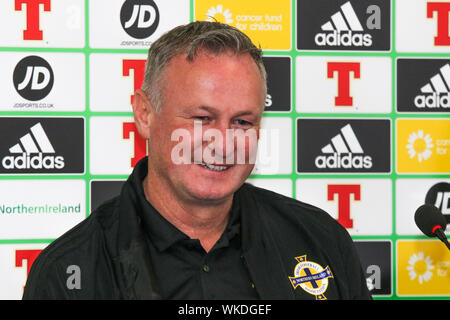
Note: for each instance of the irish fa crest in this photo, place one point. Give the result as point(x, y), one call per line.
point(311, 277)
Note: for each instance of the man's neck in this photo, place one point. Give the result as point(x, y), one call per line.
point(205, 222)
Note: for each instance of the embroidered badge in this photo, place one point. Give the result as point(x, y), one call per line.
point(311, 277)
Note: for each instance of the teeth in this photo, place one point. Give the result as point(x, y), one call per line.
point(213, 167)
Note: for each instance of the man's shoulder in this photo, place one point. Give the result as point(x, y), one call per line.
point(279, 208)
point(79, 246)
point(292, 206)
point(100, 221)
point(297, 228)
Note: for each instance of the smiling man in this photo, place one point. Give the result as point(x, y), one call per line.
point(221, 91)
point(186, 225)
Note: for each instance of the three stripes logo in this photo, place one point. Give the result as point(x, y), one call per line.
point(344, 151)
point(436, 93)
point(343, 29)
point(33, 151)
point(363, 25)
point(339, 145)
point(423, 85)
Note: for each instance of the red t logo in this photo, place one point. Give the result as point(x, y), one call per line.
point(443, 10)
point(32, 32)
point(344, 192)
point(343, 70)
point(140, 146)
point(139, 70)
point(28, 255)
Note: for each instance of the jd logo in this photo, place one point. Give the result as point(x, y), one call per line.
point(33, 78)
point(139, 18)
point(439, 196)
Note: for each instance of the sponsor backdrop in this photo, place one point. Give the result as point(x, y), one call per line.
point(356, 111)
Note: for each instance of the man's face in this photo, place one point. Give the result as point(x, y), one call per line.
point(219, 92)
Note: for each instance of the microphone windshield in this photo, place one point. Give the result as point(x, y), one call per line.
point(427, 217)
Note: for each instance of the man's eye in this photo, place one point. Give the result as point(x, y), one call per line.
point(241, 122)
point(201, 118)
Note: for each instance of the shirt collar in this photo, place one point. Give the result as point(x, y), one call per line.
point(160, 231)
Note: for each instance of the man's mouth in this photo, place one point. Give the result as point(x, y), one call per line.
point(214, 167)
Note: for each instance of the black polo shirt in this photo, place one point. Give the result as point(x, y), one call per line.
point(280, 238)
point(184, 270)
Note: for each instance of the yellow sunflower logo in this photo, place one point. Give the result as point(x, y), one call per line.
point(218, 14)
point(419, 145)
point(420, 267)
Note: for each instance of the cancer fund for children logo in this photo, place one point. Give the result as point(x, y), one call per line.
point(266, 22)
point(423, 145)
point(423, 268)
point(420, 145)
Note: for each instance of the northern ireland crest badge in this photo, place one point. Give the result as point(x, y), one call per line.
point(311, 277)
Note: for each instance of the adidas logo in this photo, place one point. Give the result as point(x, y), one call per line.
point(29, 152)
point(436, 92)
point(344, 29)
point(340, 153)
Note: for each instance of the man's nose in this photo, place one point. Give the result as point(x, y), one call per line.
point(219, 138)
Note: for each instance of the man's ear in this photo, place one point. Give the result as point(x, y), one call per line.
point(142, 112)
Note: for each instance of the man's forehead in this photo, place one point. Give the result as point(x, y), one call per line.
point(204, 54)
point(205, 62)
point(213, 74)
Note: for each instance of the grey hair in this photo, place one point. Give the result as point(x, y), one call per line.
point(214, 37)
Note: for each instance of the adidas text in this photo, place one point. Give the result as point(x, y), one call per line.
point(433, 100)
point(344, 38)
point(345, 161)
point(30, 161)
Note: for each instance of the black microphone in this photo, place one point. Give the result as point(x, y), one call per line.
point(431, 222)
